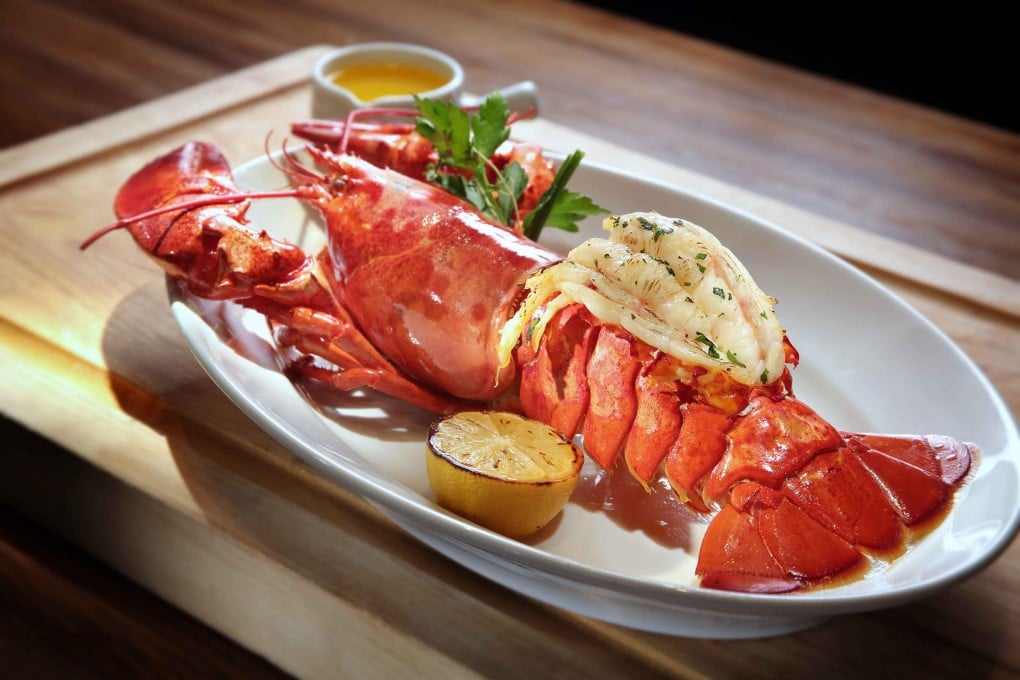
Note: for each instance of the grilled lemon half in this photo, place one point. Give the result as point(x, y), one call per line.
point(505, 472)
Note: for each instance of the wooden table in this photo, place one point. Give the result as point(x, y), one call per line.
point(146, 466)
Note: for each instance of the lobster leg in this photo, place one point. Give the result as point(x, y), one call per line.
point(358, 364)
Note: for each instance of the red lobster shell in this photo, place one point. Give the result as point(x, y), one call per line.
point(419, 296)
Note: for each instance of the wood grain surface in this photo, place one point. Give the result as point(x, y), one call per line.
point(887, 167)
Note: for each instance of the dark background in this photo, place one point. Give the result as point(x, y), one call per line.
point(959, 58)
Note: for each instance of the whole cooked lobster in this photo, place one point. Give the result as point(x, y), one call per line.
point(655, 344)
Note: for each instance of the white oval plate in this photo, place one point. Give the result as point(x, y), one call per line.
point(870, 363)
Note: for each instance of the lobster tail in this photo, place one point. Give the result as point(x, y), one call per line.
point(800, 502)
point(816, 501)
point(657, 421)
point(554, 380)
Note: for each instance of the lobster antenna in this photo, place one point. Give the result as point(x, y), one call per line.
point(358, 113)
point(349, 119)
point(213, 199)
point(294, 169)
point(514, 116)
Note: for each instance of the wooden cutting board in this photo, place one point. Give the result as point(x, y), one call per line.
point(168, 482)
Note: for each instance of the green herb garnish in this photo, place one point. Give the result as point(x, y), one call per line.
point(531, 329)
point(656, 229)
point(709, 345)
point(465, 143)
point(559, 207)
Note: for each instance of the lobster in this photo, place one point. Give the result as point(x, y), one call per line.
point(655, 345)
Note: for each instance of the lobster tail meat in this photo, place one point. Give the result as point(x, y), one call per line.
point(673, 286)
point(674, 326)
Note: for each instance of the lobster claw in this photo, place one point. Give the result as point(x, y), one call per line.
point(194, 169)
point(190, 169)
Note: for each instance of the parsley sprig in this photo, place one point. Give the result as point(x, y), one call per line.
point(465, 143)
